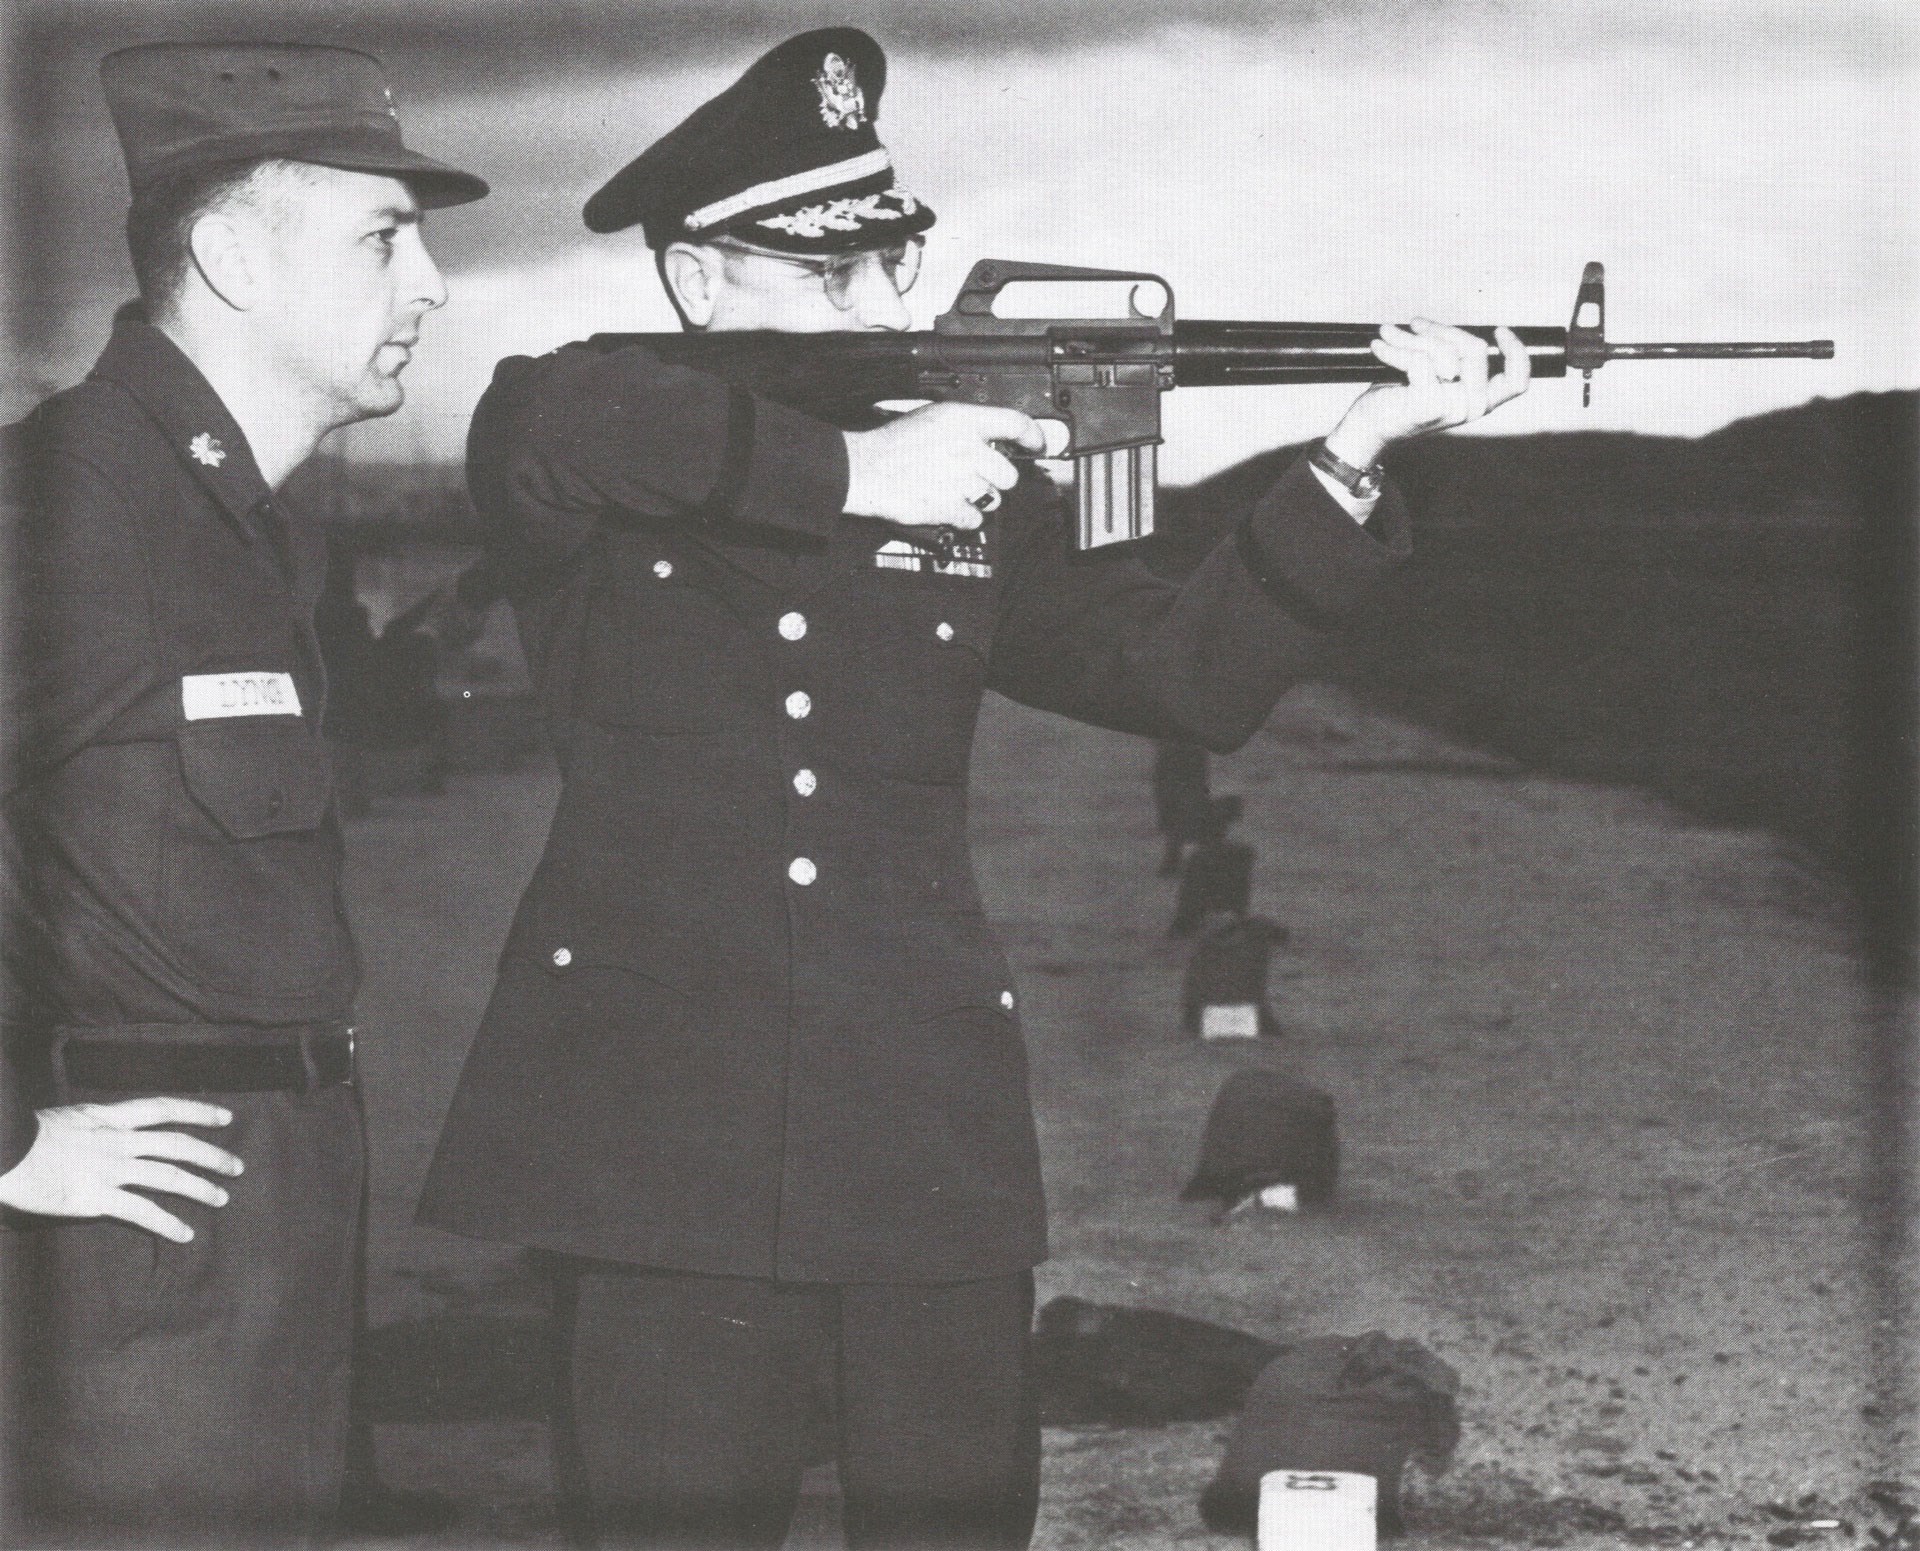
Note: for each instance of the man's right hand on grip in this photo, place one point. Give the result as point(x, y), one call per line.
point(937, 467)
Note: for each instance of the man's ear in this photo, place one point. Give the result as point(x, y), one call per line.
point(225, 260)
point(693, 277)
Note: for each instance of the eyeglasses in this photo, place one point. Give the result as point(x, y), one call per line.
point(838, 275)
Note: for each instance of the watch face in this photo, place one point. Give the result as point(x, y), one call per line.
point(1361, 484)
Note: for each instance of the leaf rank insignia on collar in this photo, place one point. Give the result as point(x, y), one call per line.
point(205, 448)
point(842, 104)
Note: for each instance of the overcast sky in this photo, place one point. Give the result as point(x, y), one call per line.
point(1743, 170)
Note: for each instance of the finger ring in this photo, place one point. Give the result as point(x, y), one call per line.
point(987, 502)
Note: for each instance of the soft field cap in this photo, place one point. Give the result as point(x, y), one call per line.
point(181, 106)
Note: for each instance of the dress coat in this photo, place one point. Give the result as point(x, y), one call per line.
point(750, 1019)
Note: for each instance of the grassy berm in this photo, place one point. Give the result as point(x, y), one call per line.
point(1613, 1049)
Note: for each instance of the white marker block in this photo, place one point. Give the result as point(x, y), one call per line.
point(1230, 1020)
point(1316, 1510)
point(1281, 1198)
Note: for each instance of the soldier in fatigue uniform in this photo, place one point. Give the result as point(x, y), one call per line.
point(180, 1313)
point(753, 1067)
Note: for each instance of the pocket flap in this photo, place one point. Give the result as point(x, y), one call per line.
point(955, 964)
point(262, 776)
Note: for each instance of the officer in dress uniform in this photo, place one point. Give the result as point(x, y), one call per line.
point(753, 1067)
point(180, 1312)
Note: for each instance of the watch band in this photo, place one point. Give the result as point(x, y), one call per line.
point(1361, 484)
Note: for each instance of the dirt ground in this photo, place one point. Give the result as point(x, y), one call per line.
point(1602, 1109)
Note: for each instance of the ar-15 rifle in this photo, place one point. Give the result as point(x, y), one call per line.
point(1104, 377)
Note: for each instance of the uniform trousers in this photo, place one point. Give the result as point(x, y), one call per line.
point(192, 1395)
point(691, 1405)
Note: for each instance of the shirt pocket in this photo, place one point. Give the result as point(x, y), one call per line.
point(251, 872)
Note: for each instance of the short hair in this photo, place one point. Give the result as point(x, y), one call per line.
point(160, 219)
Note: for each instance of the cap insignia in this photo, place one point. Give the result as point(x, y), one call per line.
point(206, 449)
point(842, 104)
point(392, 112)
point(844, 215)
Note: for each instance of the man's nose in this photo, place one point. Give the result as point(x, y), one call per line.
point(428, 284)
point(877, 302)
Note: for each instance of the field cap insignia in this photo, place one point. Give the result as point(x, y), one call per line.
point(842, 104)
point(206, 449)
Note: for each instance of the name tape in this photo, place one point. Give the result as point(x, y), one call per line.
point(207, 696)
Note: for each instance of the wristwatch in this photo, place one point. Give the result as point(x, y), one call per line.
point(1361, 484)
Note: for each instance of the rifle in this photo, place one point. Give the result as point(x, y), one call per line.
point(1103, 377)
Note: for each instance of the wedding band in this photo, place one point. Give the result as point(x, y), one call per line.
point(988, 502)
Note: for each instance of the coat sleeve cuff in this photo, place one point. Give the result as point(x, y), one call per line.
point(790, 469)
point(19, 1126)
point(1309, 554)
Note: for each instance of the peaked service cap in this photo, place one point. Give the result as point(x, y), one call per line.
point(786, 158)
point(178, 107)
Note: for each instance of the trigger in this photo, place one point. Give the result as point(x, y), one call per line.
point(1059, 437)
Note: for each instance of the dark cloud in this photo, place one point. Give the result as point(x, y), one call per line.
point(450, 44)
point(511, 35)
point(475, 78)
point(450, 61)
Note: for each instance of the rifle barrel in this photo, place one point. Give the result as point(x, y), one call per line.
point(1224, 354)
point(1714, 350)
point(1230, 354)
